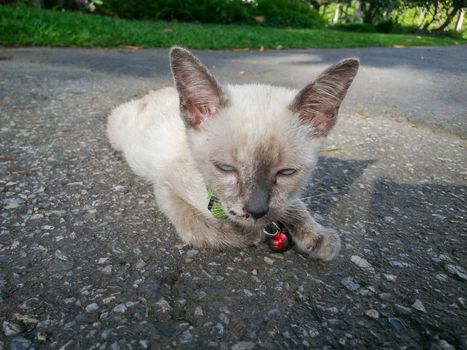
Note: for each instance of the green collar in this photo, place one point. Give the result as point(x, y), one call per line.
point(215, 206)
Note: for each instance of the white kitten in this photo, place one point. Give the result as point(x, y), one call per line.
point(254, 146)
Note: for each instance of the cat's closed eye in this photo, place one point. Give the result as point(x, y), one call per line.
point(287, 172)
point(226, 168)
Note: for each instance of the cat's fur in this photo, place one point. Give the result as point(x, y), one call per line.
point(234, 139)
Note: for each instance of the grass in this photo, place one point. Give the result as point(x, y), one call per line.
point(26, 26)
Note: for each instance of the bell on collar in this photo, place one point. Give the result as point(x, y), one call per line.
point(279, 239)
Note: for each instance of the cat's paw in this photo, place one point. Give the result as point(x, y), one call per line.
point(324, 245)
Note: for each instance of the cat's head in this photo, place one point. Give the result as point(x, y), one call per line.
point(255, 145)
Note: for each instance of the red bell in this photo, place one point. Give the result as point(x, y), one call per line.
point(279, 242)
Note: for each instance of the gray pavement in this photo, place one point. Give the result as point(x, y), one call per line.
point(88, 262)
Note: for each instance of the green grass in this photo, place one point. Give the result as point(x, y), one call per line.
point(26, 26)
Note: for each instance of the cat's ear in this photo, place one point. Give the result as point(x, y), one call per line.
point(200, 94)
point(318, 103)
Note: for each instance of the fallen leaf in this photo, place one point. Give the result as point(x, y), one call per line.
point(399, 46)
point(168, 30)
point(279, 47)
point(25, 318)
point(361, 116)
point(130, 48)
point(400, 119)
point(332, 149)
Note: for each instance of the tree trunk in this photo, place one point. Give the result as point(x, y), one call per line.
point(337, 13)
point(435, 15)
point(368, 16)
point(316, 5)
point(345, 14)
point(422, 17)
point(357, 15)
point(324, 7)
point(448, 20)
point(460, 20)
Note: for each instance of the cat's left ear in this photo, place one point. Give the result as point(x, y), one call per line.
point(200, 94)
point(318, 103)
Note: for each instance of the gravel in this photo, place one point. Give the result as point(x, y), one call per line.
point(87, 261)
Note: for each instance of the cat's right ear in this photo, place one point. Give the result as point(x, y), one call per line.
point(200, 94)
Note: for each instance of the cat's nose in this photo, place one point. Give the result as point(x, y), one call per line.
point(257, 210)
point(258, 203)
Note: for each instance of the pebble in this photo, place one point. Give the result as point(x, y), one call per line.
point(20, 343)
point(386, 296)
point(397, 263)
point(107, 270)
point(92, 307)
point(12, 203)
point(108, 299)
point(372, 313)
point(102, 261)
point(144, 343)
point(118, 188)
point(248, 293)
point(69, 325)
point(185, 337)
point(418, 305)
point(462, 302)
point(67, 344)
point(198, 312)
point(92, 317)
point(457, 271)
point(313, 332)
point(58, 265)
point(120, 308)
point(337, 324)
point(350, 283)
point(274, 314)
point(36, 217)
point(268, 260)
point(402, 309)
point(191, 253)
point(243, 345)
point(362, 263)
point(163, 305)
point(441, 277)
point(224, 318)
point(140, 264)
point(218, 330)
point(445, 345)
point(396, 324)
point(390, 278)
point(10, 329)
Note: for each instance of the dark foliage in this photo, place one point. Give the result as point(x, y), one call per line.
point(275, 13)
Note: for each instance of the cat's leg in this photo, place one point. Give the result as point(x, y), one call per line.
point(193, 228)
point(310, 237)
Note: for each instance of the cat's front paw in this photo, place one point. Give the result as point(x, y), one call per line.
point(324, 245)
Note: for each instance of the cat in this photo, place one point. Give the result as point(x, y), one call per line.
point(253, 146)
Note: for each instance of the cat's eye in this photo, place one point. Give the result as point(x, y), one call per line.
point(286, 172)
point(226, 168)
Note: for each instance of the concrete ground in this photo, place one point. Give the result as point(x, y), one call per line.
point(88, 262)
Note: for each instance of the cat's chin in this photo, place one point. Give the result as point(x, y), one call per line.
point(252, 223)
